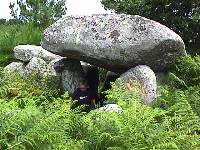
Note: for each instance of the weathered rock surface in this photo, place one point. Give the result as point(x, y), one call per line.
point(15, 67)
point(36, 65)
point(146, 77)
point(111, 108)
point(71, 75)
point(26, 52)
point(117, 42)
point(56, 67)
point(68, 70)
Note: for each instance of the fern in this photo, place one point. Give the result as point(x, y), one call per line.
point(35, 116)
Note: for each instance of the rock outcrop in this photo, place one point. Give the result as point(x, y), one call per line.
point(36, 66)
point(147, 80)
point(116, 42)
point(111, 108)
point(36, 60)
point(14, 67)
point(26, 52)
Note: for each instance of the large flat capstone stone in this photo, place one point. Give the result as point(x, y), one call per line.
point(116, 42)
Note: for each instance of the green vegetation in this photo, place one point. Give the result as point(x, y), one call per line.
point(35, 115)
point(182, 16)
point(31, 17)
point(186, 72)
point(12, 35)
point(39, 12)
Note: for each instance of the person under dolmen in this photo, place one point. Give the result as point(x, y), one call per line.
point(84, 97)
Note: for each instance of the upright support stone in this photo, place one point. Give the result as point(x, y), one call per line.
point(36, 65)
point(71, 75)
point(56, 67)
point(146, 77)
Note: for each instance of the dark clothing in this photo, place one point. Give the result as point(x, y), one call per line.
point(83, 98)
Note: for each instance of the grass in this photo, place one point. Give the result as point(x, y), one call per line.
point(13, 35)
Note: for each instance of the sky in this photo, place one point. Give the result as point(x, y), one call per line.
point(74, 7)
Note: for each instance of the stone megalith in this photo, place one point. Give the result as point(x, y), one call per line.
point(36, 66)
point(69, 71)
point(116, 42)
point(71, 75)
point(146, 78)
point(14, 67)
point(26, 52)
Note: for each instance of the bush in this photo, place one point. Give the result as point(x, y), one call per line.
point(33, 86)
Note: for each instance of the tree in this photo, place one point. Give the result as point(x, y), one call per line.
point(2, 21)
point(39, 12)
point(182, 16)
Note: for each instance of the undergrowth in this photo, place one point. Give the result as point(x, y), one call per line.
point(186, 72)
point(37, 116)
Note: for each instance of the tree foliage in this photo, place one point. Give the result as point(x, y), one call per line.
point(182, 16)
point(40, 12)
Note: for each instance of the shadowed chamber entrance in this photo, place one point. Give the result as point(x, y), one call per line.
point(99, 81)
